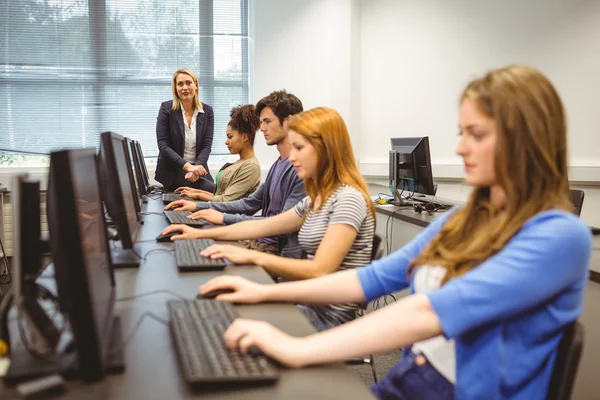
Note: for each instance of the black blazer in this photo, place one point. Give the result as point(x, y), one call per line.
point(170, 135)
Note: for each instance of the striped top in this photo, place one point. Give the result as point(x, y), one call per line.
point(347, 206)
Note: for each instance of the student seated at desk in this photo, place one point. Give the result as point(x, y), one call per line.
point(493, 283)
point(335, 222)
point(281, 190)
point(241, 178)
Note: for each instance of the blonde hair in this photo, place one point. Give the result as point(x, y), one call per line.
point(326, 131)
point(530, 167)
point(176, 101)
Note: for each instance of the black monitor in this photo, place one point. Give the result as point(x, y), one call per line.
point(139, 194)
point(81, 256)
point(139, 173)
point(410, 166)
point(119, 197)
point(41, 333)
point(143, 164)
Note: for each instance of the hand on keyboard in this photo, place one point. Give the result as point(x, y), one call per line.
point(243, 290)
point(181, 205)
point(187, 232)
point(243, 334)
point(235, 254)
point(210, 215)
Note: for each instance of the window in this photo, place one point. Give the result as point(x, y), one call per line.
point(70, 69)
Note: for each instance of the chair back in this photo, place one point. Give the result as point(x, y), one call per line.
point(566, 363)
point(577, 199)
point(376, 253)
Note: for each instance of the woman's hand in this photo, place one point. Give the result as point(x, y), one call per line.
point(181, 205)
point(210, 215)
point(235, 254)
point(187, 232)
point(191, 176)
point(244, 291)
point(195, 194)
point(288, 350)
point(182, 188)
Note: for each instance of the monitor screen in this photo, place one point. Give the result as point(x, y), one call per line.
point(96, 255)
point(82, 260)
point(27, 260)
point(137, 168)
point(118, 195)
point(130, 195)
point(410, 165)
point(143, 164)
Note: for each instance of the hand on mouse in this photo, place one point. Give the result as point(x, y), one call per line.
point(244, 291)
point(235, 254)
point(187, 232)
point(288, 350)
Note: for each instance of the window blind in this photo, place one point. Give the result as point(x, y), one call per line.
point(71, 69)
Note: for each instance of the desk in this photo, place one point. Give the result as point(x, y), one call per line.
point(152, 370)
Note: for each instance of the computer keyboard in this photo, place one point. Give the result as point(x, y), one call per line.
point(170, 197)
point(181, 217)
point(188, 258)
point(425, 198)
point(197, 328)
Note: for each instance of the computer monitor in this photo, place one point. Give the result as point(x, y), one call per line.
point(40, 332)
point(139, 195)
point(81, 256)
point(119, 197)
point(143, 164)
point(139, 174)
point(410, 166)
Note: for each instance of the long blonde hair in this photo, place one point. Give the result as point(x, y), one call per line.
point(176, 100)
point(326, 131)
point(530, 167)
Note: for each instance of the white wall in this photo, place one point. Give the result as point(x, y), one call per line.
point(311, 49)
point(416, 56)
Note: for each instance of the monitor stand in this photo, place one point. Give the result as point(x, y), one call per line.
point(25, 366)
point(399, 201)
point(124, 258)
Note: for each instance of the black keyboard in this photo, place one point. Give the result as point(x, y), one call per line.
point(197, 328)
point(181, 217)
point(169, 197)
point(187, 254)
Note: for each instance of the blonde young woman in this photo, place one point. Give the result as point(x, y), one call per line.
point(241, 178)
point(493, 283)
point(184, 133)
point(335, 222)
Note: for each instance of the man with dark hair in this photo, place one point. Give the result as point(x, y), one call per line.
point(281, 190)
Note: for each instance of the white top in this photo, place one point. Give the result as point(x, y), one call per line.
point(189, 148)
point(439, 351)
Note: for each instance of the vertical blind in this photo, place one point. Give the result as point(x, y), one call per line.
point(71, 69)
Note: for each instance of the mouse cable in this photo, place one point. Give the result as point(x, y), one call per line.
point(145, 256)
point(128, 298)
point(151, 213)
point(137, 325)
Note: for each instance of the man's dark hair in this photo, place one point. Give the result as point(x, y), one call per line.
point(281, 103)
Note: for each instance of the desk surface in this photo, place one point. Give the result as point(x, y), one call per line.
point(152, 370)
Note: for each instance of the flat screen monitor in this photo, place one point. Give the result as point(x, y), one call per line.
point(81, 256)
point(37, 328)
point(139, 174)
point(119, 197)
point(27, 260)
point(410, 166)
point(138, 195)
point(143, 164)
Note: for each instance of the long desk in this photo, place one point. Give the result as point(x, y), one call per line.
point(152, 370)
point(403, 224)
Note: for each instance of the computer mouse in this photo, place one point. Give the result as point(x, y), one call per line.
point(214, 293)
point(167, 237)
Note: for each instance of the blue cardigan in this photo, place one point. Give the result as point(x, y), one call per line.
point(507, 314)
